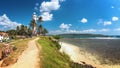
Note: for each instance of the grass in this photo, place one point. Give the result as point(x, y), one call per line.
point(21, 45)
point(51, 57)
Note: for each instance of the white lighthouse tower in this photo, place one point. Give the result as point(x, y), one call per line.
point(34, 17)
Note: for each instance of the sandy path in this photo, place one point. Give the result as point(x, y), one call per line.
point(77, 55)
point(29, 58)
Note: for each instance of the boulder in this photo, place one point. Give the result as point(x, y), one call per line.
point(0, 54)
point(6, 50)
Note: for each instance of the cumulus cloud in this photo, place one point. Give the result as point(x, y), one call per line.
point(47, 16)
point(81, 31)
point(6, 23)
point(48, 7)
point(117, 29)
point(103, 30)
point(100, 21)
point(65, 26)
point(84, 20)
point(107, 23)
point(36, 6)
point(88, 31)
point(115, 18)
point(73, 31)
point(62, 0)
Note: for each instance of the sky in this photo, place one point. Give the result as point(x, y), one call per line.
point(63, 16)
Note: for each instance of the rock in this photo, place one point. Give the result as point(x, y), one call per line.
point(6, 50)
point(0, 54)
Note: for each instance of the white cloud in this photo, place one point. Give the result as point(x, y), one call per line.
point(36, 6)
point(88, 31)
point(65, 26)
point(107, 23)
point(115, 18)
point(84, 20)
point(112, 7)
point(47, 16)
point(72, 31)
point(81, 31)
point(6, 23)
point(117, 29)
point(103, 30)
point(100, 21)
point(62, 0)
point(48, 7)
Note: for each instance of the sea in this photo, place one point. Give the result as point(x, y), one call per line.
point(107, 49)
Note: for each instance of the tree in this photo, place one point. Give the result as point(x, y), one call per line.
point(29, 33)
point(23, 30)
point(17, 30)
point(33, 26)
point(40, 19)
point(44, 31)
point(11, 32)
point(40, 28)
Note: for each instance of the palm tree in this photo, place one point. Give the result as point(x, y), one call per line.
point(17, 30)
point(44, 31)
point(22, 30)
point(29, 33)
point(40, 28)
point(40, 19)
point(11, 32)
point(33, 26)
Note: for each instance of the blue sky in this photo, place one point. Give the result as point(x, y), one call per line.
point(64, 16)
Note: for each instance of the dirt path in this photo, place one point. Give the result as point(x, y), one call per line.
point(29, 58)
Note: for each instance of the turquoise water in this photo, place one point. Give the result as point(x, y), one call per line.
point(108, 50)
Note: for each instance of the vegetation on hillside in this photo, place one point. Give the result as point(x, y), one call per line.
point(52, 58)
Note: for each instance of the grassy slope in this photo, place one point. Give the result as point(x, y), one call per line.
point(51, 57)
point(21, 45)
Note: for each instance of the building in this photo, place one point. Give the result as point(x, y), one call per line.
point(3, 35)
point(34, 17)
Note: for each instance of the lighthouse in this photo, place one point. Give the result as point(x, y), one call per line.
point(34, 18)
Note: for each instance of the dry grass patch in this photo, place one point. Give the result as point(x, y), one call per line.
point(20, 46)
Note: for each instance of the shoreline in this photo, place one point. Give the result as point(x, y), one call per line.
point(78, 55)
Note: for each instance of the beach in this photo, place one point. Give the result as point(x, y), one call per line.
point(78, 55)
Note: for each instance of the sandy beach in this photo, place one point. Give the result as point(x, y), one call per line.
point(79, 55)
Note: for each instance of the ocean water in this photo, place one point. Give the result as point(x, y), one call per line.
point(107, 49)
